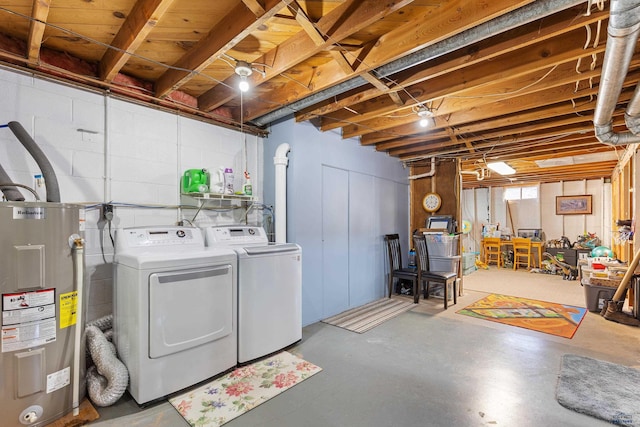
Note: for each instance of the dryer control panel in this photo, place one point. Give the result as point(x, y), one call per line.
point(148, 237)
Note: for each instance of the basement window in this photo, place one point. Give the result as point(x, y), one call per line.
point(521, 193)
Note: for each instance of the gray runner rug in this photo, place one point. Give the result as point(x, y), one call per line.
point(368, 316)
point(601, 389)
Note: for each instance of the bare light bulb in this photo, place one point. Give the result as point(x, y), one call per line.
point(425, 114)
point(244, 84)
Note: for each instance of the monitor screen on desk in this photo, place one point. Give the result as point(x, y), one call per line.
point(441, 222)
point(531, 233)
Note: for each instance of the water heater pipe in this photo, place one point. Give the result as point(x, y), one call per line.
point(53, 191)
point(8, 188)
point(78, 251)
point(281, 161)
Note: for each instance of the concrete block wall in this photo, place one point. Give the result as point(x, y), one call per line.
point(107, 150)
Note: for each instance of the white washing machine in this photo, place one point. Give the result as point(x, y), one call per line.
point(175, 309)
point(269, 289)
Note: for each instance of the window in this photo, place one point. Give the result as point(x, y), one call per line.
point(521, 193)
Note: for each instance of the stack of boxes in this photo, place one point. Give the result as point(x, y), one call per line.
point(600, 281)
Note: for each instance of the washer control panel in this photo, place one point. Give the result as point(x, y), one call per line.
point(236, 235)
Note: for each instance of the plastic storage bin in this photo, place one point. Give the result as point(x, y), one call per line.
point(444, 263)
point(595, 296)
point(441, 245)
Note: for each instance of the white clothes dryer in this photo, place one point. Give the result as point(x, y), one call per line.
point(269, 289)
point(174, 309)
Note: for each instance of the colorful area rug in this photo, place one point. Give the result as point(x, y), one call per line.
point(601, 389)
point(548, 317)
point(366, 317)
point(231, 395)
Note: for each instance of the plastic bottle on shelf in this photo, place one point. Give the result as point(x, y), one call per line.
point(247, 189)
point(228, 181)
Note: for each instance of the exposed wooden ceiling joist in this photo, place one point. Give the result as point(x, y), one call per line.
point(524, 93)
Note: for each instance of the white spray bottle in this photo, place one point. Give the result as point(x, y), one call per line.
point(247, 189)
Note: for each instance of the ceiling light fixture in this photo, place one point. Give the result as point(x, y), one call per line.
point(502, 168)
point(425, 116)
point(244, 70)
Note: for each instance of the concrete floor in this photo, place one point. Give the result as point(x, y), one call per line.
point(430, 367)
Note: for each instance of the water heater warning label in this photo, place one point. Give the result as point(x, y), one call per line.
point(59, 379)
point(28, 319)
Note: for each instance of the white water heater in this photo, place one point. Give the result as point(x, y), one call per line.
point(39, 308)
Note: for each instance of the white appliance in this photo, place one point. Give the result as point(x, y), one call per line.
point(269, 289)
point(174, 309)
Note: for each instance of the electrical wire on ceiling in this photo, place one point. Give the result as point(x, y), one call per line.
point(488, 95)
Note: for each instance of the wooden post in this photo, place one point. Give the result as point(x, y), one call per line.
point(622, 287)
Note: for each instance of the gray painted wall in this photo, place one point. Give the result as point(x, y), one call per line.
point(342, 198)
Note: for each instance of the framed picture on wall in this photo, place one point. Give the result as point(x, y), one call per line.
point(573, 205)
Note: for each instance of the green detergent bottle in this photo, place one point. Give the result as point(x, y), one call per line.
point(195, 181)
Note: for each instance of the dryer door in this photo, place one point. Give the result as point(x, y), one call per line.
point(188, 308)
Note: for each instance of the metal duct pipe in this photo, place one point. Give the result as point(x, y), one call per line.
point(622, 36)
point(53, 191)
point(524, 15)
point(10, 191)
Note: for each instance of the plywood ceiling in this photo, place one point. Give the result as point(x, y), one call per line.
point(515, 81)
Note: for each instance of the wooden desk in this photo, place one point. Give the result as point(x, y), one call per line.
point(536, 247)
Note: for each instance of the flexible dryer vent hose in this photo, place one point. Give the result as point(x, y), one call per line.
point(53, 191)
point(10, 191)
point(107, 380)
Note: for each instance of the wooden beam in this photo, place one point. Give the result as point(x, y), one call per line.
point(233, 28)
point(39, 14)
point(255, 6)
point(446, 148)
point(463, 110)
point(520, 38)
point(140, 21)
point(421, 32)
point(305, 22)
point(341, 60)
point(346, 19)
point(497, 76)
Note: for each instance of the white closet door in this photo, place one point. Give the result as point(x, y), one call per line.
point(335, 240)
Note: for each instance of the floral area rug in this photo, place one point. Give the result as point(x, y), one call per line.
point(542, 316)
point(233, 394)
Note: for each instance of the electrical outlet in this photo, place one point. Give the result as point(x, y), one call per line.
point(107, 211)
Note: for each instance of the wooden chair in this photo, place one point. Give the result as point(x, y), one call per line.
point(491, 250)
point(426, 275)
point(396, 271)
point(522, 253)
